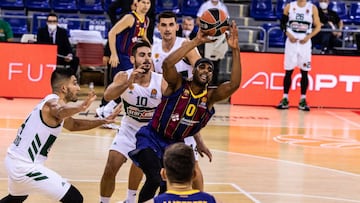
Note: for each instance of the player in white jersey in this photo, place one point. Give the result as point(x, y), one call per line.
point(298, 19)
point(26, 156)
point(167, 27)
point(141, 90)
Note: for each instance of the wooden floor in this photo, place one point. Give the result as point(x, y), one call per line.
point(260, 154)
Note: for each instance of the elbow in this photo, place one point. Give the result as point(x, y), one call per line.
point(166, 64)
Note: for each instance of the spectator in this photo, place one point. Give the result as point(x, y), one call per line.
point(178, 171)
point(126, 6)
point(187, 28)
point(6, 34)
point(53, 34)
point(214, 51)
point(329, 20)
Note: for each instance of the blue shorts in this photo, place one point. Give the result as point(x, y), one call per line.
point(125, 64)
point(147, 137)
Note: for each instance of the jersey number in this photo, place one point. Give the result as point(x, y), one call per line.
point(190, 110)
point(141, 101)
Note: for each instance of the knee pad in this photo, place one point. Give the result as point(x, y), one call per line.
point(72, 196)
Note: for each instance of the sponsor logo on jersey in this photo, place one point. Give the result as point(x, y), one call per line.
point(185, 94)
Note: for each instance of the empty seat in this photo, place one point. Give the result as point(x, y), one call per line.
point(280, 5)
point(38, 21)
point(276, 37)
point(238, 10)
point(341, 9)
point(262, 10)
point(97, 23)
point(38, 5)
point(17, 21)
point(354, 13)
point(91, 6)
point(190, 7)
point(65, 6)
point(12, 4)
point(167, 5)
point(69, 22)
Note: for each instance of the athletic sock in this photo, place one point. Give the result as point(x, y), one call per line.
point(104, 199)
point(131, 196)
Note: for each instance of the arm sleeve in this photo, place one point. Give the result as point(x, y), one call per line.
point(283, 22)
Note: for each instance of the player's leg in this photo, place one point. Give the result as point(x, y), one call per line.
point(305, 67)
point(290, 62)
point(107, 184)
point(198, 182)
point(135, 177)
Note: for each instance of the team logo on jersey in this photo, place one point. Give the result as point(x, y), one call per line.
point(156, 55)
point(203, 102)
point(185, 94)
point(153, 93)
point(175, 117)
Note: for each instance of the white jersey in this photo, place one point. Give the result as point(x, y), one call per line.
point(140, 102)
point(300, 20)
point(34, 138)
point(158, 57)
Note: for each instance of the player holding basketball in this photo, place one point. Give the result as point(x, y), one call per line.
point(167, 27)
point(26, 156)
point(297, 21)
point(140, 89)
point(186, 107)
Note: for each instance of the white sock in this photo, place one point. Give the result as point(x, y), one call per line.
point(104, 199)
point(285, 96)
point(131, 196)
point(303, 96)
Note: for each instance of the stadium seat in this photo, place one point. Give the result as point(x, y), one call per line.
point(354, 12)
point(190, 7)
point(91, 6)
point(276, 37)
point(38, 5)
point(38, 21)
point(69, 22)
point(17, 21)
point(65, 6)
point(341, 9)
point(262, 10)
point(167, 5)
point(97, 23)
point(12, 4)
point(280, 5)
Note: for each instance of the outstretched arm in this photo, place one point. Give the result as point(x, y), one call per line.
point(226, 89)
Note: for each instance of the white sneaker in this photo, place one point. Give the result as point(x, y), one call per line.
point(108, 108)
point(111, 126)
point(100, 112)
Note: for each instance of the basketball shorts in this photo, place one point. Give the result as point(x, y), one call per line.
point(297, 55)
point(26, 178)
point(125, 140)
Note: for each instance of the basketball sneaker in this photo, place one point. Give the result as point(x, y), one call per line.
point(303, 105)
point(284, 104)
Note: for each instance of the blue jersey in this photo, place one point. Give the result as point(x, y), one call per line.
point(126, 39)
point(182, 114)
point(192, 196)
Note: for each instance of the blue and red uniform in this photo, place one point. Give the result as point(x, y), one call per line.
point(179, 115)
point(192, 196)
point(126, 39)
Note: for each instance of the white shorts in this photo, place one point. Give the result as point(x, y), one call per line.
point(125, 141)
point(297, 55)
point(26, 178)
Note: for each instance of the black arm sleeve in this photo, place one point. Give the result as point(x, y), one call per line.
point(283, 22)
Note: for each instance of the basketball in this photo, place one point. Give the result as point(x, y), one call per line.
point(214, 22)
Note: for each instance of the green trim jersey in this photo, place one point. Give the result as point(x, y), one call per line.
point(158, 56)
point(34, 138)
point(300, 20)
point(140, 102)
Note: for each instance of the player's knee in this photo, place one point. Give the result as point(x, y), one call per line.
point(72, 196)
point(13, 199)
point(154, 181)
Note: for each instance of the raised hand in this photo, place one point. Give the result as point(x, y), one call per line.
point(233, 36)
point(88, 101)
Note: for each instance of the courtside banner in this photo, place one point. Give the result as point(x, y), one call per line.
point(334, 81)
point(25, 69)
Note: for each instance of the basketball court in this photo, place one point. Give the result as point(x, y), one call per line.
point(260, 154)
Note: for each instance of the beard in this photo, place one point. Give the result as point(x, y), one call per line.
point(71, 96)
